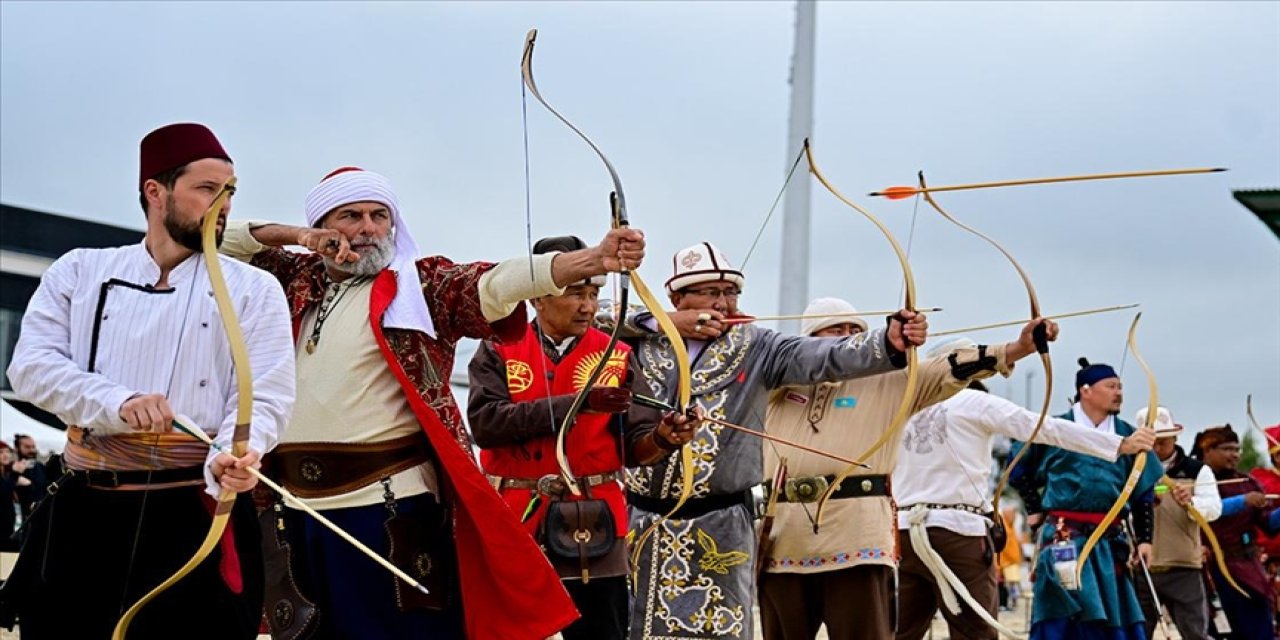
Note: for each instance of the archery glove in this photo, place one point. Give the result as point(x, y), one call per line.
point(609, 399)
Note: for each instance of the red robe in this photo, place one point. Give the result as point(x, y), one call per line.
point(1270, 481)
point(509, 589)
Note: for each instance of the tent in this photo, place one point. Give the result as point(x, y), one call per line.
point(12, 422)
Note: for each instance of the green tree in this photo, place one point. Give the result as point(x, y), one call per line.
point(1250, 457)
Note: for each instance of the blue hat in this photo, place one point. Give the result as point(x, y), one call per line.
point(1092, 373)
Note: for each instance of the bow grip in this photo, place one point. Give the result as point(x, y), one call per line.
point(1040, 335)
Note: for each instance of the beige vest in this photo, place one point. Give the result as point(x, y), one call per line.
point(1177, 537)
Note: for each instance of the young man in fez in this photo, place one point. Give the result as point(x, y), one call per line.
point(377, 328)
point(115, 343)
point(521, 393)
point(1247, 512)
point(1070, 493)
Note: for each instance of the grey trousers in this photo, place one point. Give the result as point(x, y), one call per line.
point(1181, 591)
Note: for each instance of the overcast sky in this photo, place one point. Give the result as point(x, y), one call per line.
point(689, 100)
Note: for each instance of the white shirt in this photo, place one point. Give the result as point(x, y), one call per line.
point(946, 454)
point(153, 341)
point(1204, 496)
point(1108, 425)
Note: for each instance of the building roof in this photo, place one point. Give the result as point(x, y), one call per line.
point(1264, 203)
point(40, 233)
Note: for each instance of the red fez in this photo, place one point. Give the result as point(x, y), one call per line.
point(176, 145)
point(1274, 432)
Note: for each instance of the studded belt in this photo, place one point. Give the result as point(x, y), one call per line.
point(811, 488)
point(968, 508)
point(323, 469)
point(551, 484)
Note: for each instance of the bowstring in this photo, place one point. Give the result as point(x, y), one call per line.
point(772, 208)
point(528, 231)
point(155, 441)
point(911, 236)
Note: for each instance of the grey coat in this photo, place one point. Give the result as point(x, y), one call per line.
point(696, 575)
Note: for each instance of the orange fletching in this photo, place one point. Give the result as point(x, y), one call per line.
point(897, 193)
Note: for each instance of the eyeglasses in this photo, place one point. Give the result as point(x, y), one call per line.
point(713, 292)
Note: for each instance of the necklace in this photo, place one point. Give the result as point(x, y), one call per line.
point(327, 306)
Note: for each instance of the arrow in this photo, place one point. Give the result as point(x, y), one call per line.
point(1011, 323)
point(899, 193)
point(746, 319)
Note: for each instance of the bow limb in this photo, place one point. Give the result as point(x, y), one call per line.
point(907, 406)
point(1041, 338)
point(626, 279)
point(764, 540)
point(244, 404)
point(684, 391)
point(1139, 463)
point(618, 219)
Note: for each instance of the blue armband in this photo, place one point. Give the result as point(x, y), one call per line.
point(1233, 505)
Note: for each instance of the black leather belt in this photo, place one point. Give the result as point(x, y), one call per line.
point(811, 489)
point(692, 508)
point(107, 479)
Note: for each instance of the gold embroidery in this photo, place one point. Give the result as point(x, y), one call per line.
point(519, 376)
point(612, 375)
point(713, 560)
point(681, 601)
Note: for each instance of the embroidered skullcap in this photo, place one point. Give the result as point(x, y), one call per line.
point(565, 244)
point(347, 185)
point(828, 312)
point(703, 262)
point(176, 145)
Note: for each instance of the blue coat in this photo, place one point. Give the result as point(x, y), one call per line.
point(1077, 482)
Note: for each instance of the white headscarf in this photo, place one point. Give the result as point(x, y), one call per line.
point(408, 310)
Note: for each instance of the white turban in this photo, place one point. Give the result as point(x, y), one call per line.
point(408, 310)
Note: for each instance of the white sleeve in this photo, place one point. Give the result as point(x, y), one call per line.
point(238, 241)
point(1007, 418)
point(513, 281)
point(1205, 498)
point(268, 335)
point(42, 370)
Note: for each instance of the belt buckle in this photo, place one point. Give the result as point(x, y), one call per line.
point(806, 489)
point(552, 485)
point(112, 484)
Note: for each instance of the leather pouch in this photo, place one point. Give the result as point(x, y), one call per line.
point(421, 546)
point(999, 536)
point(291, 615)
point(579, 529)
